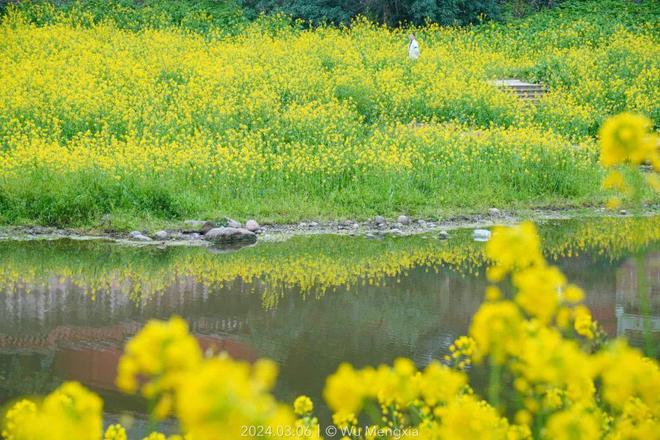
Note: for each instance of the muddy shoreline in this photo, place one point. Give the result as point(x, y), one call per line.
point(374, 228)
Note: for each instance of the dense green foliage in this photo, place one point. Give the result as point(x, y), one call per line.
point(233, 14)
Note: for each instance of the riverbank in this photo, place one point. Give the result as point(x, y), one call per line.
point(191, 232)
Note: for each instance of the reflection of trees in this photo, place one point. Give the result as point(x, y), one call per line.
point(597, 277)
point(416, 317)
point(26, 374)
point(629, 310)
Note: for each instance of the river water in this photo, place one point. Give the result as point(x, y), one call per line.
point(68, 307)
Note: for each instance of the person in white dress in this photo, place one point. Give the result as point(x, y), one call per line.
point(413, 48)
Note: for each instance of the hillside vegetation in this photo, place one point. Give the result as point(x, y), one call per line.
point(166, 119)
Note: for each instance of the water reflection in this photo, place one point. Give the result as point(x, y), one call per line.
point(66, 309)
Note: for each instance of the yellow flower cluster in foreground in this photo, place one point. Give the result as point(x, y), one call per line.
point(548, 378)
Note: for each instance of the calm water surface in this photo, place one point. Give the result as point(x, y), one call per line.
point(67, 308)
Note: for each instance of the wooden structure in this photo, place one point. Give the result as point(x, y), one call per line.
point(523, 90)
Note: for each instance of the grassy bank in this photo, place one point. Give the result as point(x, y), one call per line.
point(279, 123)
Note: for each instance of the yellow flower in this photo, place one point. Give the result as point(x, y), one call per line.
point(636, 422)
point(440, 384)
point(573, 294)
point(344, 419)
point(583, 323)
point(303, 405)
point(496, 329)
point(71, 411)
point(221, 396)
point(626, 374)
point(467, 418)
point(513, 248)
point(625, 138)
point(614, 180)
point(575, 423)
point(344, 390)
point(115, 432)
point(613, 203)
point(20, 421)
point(538, 290)
point(493, 293)
point(161, 352)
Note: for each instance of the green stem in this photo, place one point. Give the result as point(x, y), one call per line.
point(494, 384)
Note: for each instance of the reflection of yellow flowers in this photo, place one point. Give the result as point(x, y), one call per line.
point(625, 139)
point(311, 264)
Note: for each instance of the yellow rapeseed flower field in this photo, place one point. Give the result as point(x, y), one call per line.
point(296, 123)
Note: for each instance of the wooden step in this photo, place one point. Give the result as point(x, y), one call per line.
point(523, 90)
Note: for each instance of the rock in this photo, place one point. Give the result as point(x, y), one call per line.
point(443, 235)
point(252, 225)
point(313, 224)
point(161, 235)
point(421, 222)
point(481, 234)
point(302, 225)
point(394, 231)
point(494, 212)
point(355, 226)
point(229, 235)
point(233, 223)
point(138, 236)
point(623, 212)
point(379, 220)
point(369, 235)
point(206, 227)
point(403, 219)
